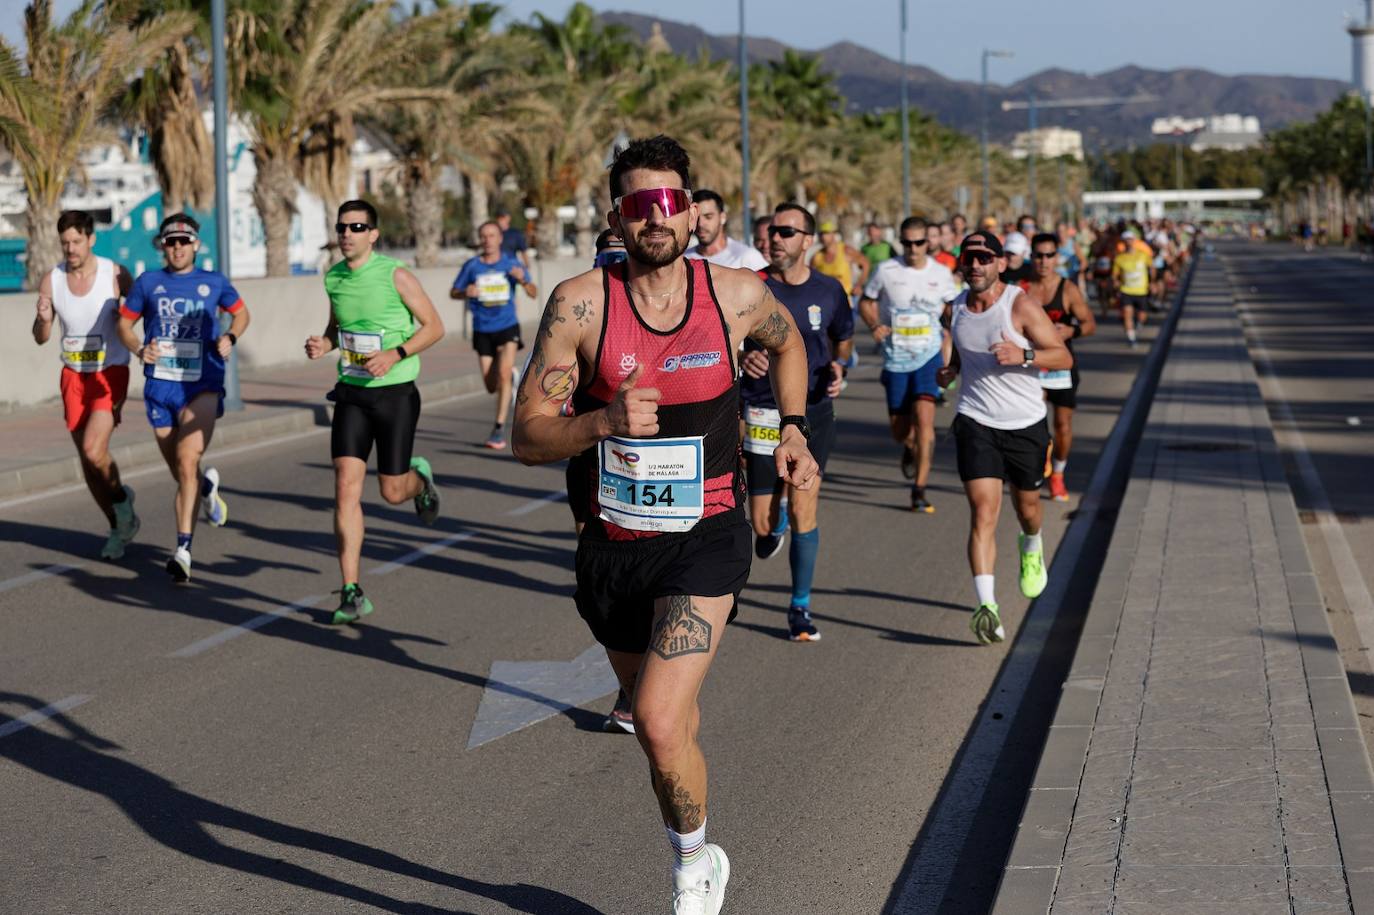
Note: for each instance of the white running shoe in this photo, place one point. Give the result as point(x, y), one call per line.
point(216, 512)
point(708, 895)
point(179, 566)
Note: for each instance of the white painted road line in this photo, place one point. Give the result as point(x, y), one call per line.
point(385, 568)
point(929, 873)
point(1348, 574)
point(257, 622)
point(37, 574)
point(428, 549)
point(38, 716)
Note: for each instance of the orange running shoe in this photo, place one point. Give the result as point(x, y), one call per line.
point(1058, 491)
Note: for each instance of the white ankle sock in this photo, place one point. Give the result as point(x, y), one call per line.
point(1030, 543)
point(690, 862)
point(1059, 466)
point(983, 586)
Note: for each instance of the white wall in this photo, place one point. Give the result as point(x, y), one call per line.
point(285, 311)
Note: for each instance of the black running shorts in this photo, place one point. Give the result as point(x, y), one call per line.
point(617, 582)
point(488, 343)
point(1014, 455)
point(386, 415)
point(1067, 398)
point(762, 471)
point(1138, 302)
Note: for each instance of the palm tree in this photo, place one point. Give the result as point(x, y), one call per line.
point(560, 151)
point(52, 106)
point(163, 101)
point(303, 71)
point(488, 91)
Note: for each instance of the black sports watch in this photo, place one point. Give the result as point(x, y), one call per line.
point(800, 422)
point(1030, 357)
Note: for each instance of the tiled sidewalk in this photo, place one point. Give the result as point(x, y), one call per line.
point(1205, 756)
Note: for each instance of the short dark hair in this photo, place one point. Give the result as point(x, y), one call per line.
point(489, 222)
point(179, 217)
point(80, 220)
point(914, 222)
point(765, 219)
point(874, 225)
point(359, 206)
point(704, 195)
point(789, 207)
point(659, 154)
point(1044, 238)
point(1024, 216)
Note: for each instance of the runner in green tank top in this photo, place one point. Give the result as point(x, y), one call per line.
point(380, 320)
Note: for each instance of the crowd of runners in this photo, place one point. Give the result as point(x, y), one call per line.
point(689, 382)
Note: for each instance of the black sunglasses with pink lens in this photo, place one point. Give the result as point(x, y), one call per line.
point(640, 205)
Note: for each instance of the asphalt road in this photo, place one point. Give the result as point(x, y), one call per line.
point(1310, 327)
point(194, 755)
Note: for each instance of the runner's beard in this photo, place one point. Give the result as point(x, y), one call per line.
point(655, 250)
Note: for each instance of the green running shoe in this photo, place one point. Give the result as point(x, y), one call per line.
point(427, 502)
point(987, 625)
point(1033, 575)
point(126, 520)
point(114, 547)
point(354, 604)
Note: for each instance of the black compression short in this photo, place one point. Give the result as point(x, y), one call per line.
point(1066, 397)
point(386, 415)
point(489, 343)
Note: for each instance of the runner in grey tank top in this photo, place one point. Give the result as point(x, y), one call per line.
point(1002, 339)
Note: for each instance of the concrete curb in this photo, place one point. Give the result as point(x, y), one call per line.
point(231, 430)
point(1033, 866)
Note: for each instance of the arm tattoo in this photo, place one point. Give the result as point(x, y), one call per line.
point(680, 631)
point(558, 383)
point(772, 333)
point(682, 811)
point(551, 317)
point(582, 311)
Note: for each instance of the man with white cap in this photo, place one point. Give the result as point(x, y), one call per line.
point(1018, 249)
point(183, 355)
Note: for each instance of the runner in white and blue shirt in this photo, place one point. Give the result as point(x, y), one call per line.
point(904, 303)
point(183, 354)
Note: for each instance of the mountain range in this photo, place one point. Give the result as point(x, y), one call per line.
point(871, 81)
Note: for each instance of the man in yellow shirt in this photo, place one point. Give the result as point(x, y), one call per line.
point(1133, 271)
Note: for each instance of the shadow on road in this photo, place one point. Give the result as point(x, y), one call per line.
point(178, 820)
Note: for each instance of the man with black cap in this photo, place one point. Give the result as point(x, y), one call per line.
point(1002, 339)
point(183, 355)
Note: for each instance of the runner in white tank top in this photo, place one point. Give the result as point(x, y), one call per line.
point(83, 292)
point(1002, 339)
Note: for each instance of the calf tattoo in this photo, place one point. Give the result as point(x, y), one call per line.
point(680, 631)
point(682, 811)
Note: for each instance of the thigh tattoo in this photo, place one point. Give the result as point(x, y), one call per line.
point(680, 631)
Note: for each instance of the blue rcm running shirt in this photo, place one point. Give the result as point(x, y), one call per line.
point(180, 313)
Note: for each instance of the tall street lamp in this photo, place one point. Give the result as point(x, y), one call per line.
point(906, 128)
point(232, 398)
point(747, 225)
point(983, 100)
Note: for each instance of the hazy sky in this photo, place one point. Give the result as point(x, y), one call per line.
point(1295, 37)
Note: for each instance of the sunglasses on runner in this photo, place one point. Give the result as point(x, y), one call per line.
point(357, 228)
point(640, 205)
point(1045, 255)
point(786, 231)
point(176, 241)
point(980, 257)
point(914, 242)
